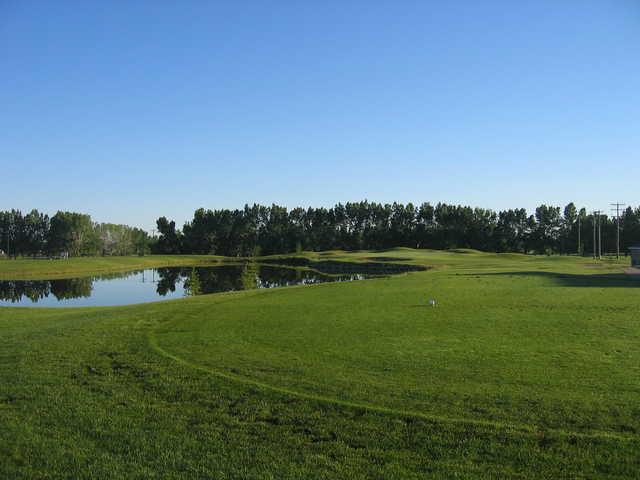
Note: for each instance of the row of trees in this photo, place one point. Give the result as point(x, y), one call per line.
point(66, 233)
point(265, 230)
point(259, 229)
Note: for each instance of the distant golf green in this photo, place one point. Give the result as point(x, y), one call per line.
point(526, 367)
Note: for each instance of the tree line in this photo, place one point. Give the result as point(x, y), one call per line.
point(66, 234)
point(262, 230)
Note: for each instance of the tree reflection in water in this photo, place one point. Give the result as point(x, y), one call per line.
point(34, 290)
point(247, 276)
point(170, 281)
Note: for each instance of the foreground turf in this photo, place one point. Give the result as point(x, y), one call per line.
point(528, 367)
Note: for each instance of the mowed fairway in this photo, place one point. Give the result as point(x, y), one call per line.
point(528, 367)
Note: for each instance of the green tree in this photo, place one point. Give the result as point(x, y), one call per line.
point(169, 240)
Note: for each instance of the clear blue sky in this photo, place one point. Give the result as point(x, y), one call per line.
point(132, 110)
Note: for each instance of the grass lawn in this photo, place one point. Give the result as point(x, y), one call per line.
point(528, 367)
point(28, 269)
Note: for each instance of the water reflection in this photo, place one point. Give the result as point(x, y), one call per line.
point(201, 280)
point(150, 285)
point(35, 290)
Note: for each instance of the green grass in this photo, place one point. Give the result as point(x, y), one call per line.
point(529, 367)
point(28, 269)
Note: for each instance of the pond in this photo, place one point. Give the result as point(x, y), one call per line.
point(151, 285)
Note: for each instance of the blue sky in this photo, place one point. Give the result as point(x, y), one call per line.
point(132, 110)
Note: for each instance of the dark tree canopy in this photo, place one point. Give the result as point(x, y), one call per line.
point(369, 225)
point(263, 230)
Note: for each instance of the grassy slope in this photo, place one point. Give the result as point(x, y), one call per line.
point(527, 368)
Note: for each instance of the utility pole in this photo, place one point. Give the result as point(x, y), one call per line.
point(579, 244)
point(597, 251)
point(599, 236)
point(9, 229)
point(594, 235)
point(617, 209)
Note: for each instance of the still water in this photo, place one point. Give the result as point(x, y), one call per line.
point(155, 284)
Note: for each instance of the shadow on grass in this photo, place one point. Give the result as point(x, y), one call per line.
point(568, 280)
point(386, 259)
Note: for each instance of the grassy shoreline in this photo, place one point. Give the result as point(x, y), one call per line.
point(28, 269)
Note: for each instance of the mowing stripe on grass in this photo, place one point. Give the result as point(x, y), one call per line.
point(511, 428)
